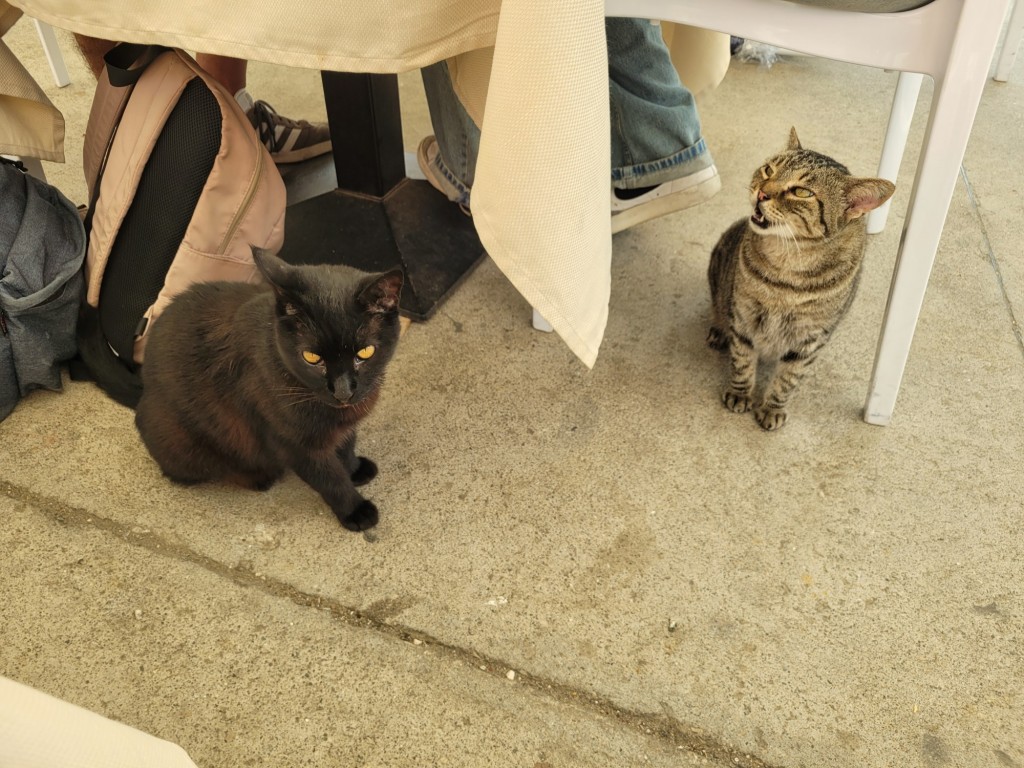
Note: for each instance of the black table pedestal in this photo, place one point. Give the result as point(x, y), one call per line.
point(377, 218)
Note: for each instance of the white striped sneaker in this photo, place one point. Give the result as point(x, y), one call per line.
point(665, 198)
point(289, 141)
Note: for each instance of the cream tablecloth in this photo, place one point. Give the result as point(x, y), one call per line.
point(30, 125)
point(39, 731)
point(541, 195)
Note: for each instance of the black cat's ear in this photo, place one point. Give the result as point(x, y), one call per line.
point(271, 266)
point(863, 195)
point(794, 140)
point(382, 292)
point(280, 276)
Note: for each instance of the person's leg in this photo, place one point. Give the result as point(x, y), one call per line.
point(287, 140)
point(448, 158)
point(227, 71)
point(655, 127)
point(660, 162)
point(93, 50)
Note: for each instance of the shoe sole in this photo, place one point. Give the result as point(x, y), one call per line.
point(426, 166)
point(298, 155)
point(661, 206)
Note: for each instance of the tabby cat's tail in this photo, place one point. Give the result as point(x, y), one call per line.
point(104, 367)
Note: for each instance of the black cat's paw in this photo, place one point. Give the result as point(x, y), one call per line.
point(364, 516)
point(185, 481)
point(263, 483)
point(259, 481)
point(365, 472)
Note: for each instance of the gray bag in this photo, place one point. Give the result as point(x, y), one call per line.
point(42, 247)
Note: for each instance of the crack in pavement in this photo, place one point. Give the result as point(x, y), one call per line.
point(664, 728)
point(992, 258)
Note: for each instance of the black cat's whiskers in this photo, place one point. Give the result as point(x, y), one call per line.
point(293, 396)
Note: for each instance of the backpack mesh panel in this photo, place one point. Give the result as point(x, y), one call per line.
point(155, 224)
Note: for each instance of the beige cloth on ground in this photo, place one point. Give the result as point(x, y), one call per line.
point(541, 198)
point(39, 731)
point(30, 126)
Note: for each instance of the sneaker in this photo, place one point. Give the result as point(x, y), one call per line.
point(672, 196)
point(289, 141)
point(428, 157)
point(660, 200)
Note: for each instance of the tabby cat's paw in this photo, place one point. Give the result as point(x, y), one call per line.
point(365, 472)
point(736, 402)
point(717, 340)
point(364, 516)
point(770, 419)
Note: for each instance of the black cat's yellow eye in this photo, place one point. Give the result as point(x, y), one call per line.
point(802, 192)
point(311, 357)
point(366, 352)
point(767, 171)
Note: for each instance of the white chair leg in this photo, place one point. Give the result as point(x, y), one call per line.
point(904, 101)
point(540, 324)
point(53, 54)
point(34, 166)
point(1014, 34)
point(954, 106)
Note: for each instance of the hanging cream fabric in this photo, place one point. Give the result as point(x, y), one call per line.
point(30, 126)
point(541, 195)
point(554, 190)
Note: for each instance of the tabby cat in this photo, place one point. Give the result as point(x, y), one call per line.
point(243, 382)
point(782, 279)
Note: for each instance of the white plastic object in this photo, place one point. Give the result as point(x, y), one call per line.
point(53, 54)
point(904, 101)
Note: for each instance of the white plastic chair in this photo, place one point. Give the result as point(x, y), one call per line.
point(53, 54)
point(953, 42)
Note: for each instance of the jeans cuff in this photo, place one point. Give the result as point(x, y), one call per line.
point(455, 190)
point(683, 163)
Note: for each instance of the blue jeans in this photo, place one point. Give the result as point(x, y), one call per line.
point(655, 128)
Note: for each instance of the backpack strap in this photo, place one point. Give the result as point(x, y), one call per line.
point(124, 65)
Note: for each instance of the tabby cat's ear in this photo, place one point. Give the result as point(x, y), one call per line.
point(794, 140)
point(382, 292)
point(863, 195)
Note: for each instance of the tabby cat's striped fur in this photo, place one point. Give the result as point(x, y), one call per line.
point(783, 278)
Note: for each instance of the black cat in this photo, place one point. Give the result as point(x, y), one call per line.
point(243, 382)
